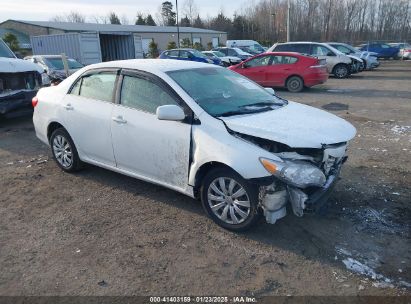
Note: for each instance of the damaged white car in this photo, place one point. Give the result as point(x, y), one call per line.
point(198, 129)
point(19, 82)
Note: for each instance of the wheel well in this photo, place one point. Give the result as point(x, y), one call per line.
point(52, 127)
point(293, 76)
point(338, 64)
point(202, 172)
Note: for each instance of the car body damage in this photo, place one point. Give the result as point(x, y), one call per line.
point(19, 82)
point(314, 172)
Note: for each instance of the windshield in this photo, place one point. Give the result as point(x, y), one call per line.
point(258, 47)
point(5, 51)
point(57, 63)
point(198, 54)
point(221, 92)
point(240, 51)
point(218, 53)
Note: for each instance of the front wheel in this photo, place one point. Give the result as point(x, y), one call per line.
point(230, 200)
point(341, 71)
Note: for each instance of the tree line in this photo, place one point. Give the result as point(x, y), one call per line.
point(352, 21)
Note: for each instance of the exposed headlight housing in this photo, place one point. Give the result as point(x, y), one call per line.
point(45, 79)
point(297, 173)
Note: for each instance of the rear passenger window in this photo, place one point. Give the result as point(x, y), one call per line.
point(172, 53)
point(75, 90)
point(301, 48)
point(144, 95)
point(98, 86)
point(284, 60)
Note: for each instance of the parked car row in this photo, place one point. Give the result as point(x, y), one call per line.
point(293, 65)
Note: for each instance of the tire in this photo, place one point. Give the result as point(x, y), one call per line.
point(295, 84)
point(64, 151)
point(228, 212)
point(341, 71)
point(226, 64)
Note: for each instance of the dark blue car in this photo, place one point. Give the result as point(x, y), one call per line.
point(382, 49)
point(188, 54)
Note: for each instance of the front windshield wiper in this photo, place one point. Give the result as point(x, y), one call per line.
point(262, 104)
point(244, 111)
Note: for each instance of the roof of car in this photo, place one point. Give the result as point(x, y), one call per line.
point(151, 65)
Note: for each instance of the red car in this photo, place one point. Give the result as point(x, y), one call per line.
point(284, 69)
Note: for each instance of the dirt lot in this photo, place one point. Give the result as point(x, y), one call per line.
point(101, 233)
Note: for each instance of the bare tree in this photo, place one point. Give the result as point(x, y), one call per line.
point(190, 10)
point(73, 16)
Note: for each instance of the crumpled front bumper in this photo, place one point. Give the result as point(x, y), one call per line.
point(16, 101)
point(301, 200)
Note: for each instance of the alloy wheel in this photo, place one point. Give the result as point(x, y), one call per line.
point(62, 151)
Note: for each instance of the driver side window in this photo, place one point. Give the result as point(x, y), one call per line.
point(143, 94)
point(259, 61)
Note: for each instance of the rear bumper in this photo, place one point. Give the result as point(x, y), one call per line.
point(316, 79)
point(16, 103)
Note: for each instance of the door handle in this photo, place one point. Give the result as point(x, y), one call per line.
point(119, 119)
point(68, 107)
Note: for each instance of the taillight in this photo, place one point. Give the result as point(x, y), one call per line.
point(34, 101)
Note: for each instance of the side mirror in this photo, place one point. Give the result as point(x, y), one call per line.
point(330, 53)
point(170, 112)
point(245, 65)
point(270, 90)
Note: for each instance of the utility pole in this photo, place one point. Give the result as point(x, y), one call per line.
point(178, 26)
point(288, 20)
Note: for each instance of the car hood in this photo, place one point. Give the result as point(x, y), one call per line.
point(15, 65)
point(295, 125)
point(355, 57)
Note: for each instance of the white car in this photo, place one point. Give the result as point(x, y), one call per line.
point(202, 130)
point(226, 60)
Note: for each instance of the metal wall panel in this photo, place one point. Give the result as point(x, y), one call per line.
point(138, 46)
point(84, 47)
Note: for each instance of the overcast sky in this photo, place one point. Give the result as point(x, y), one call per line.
point(38, 10)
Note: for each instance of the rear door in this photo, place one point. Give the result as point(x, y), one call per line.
point(321, 52)
point(87, 114)
point(280, 68)
point(156, 150)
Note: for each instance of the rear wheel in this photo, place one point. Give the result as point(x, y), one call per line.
point(341, 71)
point(295, 84)
point(64, 151)
point(230, 200)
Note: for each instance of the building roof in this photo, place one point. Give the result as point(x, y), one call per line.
point(96, 27)
point(23, 39)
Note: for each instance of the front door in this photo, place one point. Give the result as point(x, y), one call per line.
point(153, 149)
point(256, 69)
point(87, 115)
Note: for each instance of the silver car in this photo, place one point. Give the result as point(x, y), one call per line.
point(53, 65)
point(338, 64)
point(405, 50)
point(370, 60)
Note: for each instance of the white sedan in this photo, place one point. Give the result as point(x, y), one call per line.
point(198, 129)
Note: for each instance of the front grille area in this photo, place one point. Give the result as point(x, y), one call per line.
point(19, 81)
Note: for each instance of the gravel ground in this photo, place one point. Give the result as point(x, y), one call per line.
point(100, 233)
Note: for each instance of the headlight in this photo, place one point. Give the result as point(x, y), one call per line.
point(45, 79)
point(297, 173)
